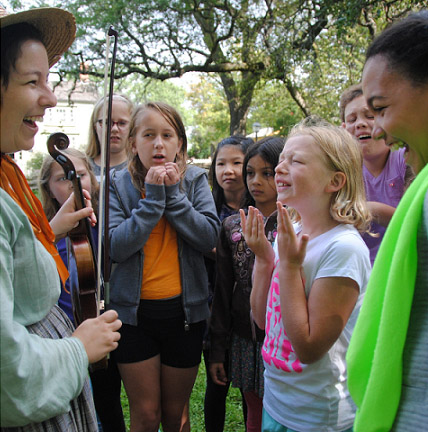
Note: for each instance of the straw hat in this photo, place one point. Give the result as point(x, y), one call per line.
point(57, 28)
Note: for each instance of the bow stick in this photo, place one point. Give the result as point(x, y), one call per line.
point(104, 201)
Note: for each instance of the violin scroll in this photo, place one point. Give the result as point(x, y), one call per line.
point(59, 140)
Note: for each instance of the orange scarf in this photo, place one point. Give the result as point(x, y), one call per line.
point(12, 180)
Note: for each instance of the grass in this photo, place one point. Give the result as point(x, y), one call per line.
point(234, 420)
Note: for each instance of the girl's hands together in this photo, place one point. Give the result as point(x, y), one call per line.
point(291, 248)
point(172, 174)
point(167, 174)
point(155, 175)
point(254, 234)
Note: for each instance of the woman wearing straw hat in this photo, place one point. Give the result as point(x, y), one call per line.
point(43, 363)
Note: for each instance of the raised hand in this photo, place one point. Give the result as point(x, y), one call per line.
point(254, 234)
point(291, 248)
point(172, 174)
point(156, 175)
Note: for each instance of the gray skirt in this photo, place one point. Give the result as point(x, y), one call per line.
point(81, 417)
point(246, 365)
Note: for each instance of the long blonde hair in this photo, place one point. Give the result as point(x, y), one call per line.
point(49, 203)
point(136, 168)
point(343, 154)
point(93, 148)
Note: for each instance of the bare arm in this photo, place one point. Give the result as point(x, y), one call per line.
point(314, 324)
point(254, 233)
point(381, 213)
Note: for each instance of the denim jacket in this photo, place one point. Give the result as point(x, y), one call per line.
point(190, 209)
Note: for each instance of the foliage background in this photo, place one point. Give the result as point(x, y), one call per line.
point(270, 61)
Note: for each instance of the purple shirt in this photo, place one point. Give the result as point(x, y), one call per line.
point(387, 188)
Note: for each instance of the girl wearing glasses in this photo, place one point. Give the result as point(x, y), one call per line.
point(121, 116)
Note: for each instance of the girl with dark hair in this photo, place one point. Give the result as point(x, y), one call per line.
point(232, 329)
point(226, 174)
point(228, 190)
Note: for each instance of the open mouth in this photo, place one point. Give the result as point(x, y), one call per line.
point(364, 137)
point(31, 121)
point(282, 184)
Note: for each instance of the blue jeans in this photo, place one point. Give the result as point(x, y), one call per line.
point(271, 425)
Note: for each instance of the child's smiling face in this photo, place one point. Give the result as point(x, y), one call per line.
point(302, 173)
point(359, 122)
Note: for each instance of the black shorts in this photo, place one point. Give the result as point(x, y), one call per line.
point(165, 335)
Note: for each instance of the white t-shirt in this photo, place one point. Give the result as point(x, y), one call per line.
point(314, 397)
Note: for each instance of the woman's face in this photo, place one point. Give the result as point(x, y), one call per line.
point(400, 108)
point(26, 98)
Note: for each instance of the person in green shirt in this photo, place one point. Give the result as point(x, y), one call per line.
point(43, 359)
point(388, 353)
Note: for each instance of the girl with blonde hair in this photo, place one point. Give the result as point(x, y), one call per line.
point(121, 117)
point(308, 289)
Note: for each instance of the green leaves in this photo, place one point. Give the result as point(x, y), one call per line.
point(315, 47)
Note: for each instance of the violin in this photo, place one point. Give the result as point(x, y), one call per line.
point(81, 249)
point(87, 284)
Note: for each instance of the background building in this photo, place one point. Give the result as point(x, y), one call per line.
point(71, 116)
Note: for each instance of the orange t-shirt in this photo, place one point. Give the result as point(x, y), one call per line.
point(161, 270)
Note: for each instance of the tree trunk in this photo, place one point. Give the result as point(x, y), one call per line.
point(239, 96)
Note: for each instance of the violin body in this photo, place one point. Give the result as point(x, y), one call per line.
point(82, 260)
point(84, 287)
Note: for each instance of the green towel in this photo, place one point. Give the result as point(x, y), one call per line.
point(375, 352)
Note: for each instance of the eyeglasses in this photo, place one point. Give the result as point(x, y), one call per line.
point(121, 124)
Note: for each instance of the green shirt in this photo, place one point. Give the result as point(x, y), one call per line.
point(39, 376)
